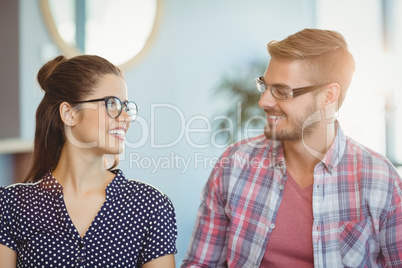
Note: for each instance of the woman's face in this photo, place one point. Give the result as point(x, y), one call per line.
point(94, 129)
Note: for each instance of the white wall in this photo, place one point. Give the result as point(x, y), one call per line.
point(360, 21)
point(198, 42)
point(377, 82)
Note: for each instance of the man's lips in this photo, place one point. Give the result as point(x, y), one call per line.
point(274, 120)
point(273, 117)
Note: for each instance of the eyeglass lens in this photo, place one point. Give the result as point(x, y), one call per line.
point(260, 85)
point(114, 108)
point(132, 110)
point(279, 93)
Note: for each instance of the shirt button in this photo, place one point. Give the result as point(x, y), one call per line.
point(281, 187)
point(279, 164)
point(272, 226)
point(80, 259)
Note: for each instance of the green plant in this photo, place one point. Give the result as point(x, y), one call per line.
point(239, 98)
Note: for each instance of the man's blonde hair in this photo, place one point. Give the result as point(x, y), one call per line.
point(324, 54)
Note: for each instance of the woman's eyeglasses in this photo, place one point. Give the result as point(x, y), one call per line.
point(114, 107)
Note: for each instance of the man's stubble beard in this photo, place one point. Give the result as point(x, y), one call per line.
point(297, 133)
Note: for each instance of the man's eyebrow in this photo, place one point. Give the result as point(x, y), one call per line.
point(280, 85)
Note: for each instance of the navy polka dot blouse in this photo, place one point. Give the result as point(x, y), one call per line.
point(136, 224)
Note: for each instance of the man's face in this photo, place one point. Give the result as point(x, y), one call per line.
point(285, 118)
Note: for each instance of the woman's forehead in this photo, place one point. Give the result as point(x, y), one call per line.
point(110, 85)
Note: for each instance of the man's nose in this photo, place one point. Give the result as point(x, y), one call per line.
point(267, 100)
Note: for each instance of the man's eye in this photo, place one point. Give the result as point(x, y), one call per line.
point(281, 91)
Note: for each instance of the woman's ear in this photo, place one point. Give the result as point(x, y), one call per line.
point(67, 114)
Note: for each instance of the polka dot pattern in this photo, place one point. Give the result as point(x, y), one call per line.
point(135, 225)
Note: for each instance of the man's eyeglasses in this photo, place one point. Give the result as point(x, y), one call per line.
point(114, 107)
point(282, 93)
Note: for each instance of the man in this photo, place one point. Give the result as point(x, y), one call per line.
point(302, 194)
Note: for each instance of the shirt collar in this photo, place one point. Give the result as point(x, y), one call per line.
point(330, 160)
point(113, 189)
point(50, 184)
point(277, 156)
point(334, 155)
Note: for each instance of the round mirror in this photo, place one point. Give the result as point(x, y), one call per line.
point(118, 30)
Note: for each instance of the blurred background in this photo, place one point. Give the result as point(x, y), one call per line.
point(190, 66)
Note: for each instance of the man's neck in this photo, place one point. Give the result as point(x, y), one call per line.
point(302, 156)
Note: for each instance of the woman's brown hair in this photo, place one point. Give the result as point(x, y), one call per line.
point(62, 80)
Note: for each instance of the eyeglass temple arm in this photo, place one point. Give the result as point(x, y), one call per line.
point(89, 101)
point(303, 90)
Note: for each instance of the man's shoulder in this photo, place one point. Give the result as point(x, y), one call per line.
point(248, 145)
point(357, 148)
point(369, 157)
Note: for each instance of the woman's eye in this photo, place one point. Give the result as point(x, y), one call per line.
point(111, 105)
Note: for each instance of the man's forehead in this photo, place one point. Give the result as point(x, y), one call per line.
point(286, 72)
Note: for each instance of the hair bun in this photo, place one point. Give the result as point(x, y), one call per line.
point(45, 73)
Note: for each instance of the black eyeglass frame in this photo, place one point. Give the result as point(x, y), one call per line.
point(293, 93)
point(124, 105)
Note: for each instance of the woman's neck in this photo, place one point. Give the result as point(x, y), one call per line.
point(80, 171)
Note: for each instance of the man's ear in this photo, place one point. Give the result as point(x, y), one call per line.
point(332, 93)
point(67, 114)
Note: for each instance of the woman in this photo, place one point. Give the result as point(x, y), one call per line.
point(72, 211)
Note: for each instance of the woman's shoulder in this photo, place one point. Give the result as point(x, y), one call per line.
point(19, 188)
point(145, 188)
point(141, 191)
point(16, 194)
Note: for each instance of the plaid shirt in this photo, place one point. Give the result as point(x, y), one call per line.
point(357, 207)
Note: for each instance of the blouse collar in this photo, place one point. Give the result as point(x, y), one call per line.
point(51, 185)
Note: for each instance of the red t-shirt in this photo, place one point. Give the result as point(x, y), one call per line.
point(290, 243)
